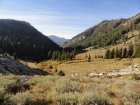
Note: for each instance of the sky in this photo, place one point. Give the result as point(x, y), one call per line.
point(67, 18)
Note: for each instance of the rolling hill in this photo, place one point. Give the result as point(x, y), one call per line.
point(58, 40)
point(108, 32)
point(23, 40)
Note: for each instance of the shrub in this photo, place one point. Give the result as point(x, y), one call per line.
point(89, 58)
point(134, 77)
point(19, 99)
point(61, 73)
point(50, 67)
point(55, 69)
point(15, 56)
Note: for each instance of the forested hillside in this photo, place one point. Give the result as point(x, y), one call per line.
point(108, 32)
point(20, 39)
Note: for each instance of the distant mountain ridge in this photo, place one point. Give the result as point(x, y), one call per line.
point(58, 40)
point(23, 40)
point(108, 32)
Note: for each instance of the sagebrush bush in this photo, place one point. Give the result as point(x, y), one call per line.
point(134, 76)
point(56, 90)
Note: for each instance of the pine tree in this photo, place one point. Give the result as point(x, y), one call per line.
point(68, 56)
point(116, 55)
point(59, 57)
point(54, 56)
point(95, 56)
point(86, 56)
point(112, 53)
point(89, 58)
point(137, 50)
point(139, 35)
point(74, 52)
point(130, 49)
point(106, 54)
point(124, 55)
point(121, 52)
point(63, 56)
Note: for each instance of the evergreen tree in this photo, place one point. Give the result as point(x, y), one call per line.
point(116, 55)
point(68, 56)
point(121, 52)
point(139, 35)
point(86, 56)
point(124, 52)
point(74, 52)
point(49, 54)
point(107, 54)
point(54, 55)
point(137, 50)
point(89, 58)
point(59, 57)
point(112, 53)
point(63, 56)
point(95, 56)
point(130, 49)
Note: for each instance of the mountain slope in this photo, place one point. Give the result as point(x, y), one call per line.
point(108, 32)
point(58, 40)
point(10, 66)
point(24, 40)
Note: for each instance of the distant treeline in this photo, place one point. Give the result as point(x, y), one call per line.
point(62, 55)
point(132, 51)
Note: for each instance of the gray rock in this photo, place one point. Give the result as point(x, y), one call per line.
point(11, 66)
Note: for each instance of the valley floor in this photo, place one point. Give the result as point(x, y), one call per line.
point(57, 90)
point(73, 90)
point(84, 67)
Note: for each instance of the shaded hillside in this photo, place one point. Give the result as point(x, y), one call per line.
point(108, 32)
point(58, 40)
point(10, 66)
point(24, 40)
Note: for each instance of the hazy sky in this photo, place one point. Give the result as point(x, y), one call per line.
point(67, 18)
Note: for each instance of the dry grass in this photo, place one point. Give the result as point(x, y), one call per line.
point(30, 64)
point(84, 67)
point(97, 65)
point(56, 90)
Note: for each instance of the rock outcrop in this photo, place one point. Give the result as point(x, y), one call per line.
point(11, 66)
point(133, 69)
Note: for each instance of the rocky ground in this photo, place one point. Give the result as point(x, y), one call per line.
point(133, 69)
point(11, 66)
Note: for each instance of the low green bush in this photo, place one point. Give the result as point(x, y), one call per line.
point(134, 76)
point(61, 73)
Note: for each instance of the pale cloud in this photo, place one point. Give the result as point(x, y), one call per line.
point(29, 15)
